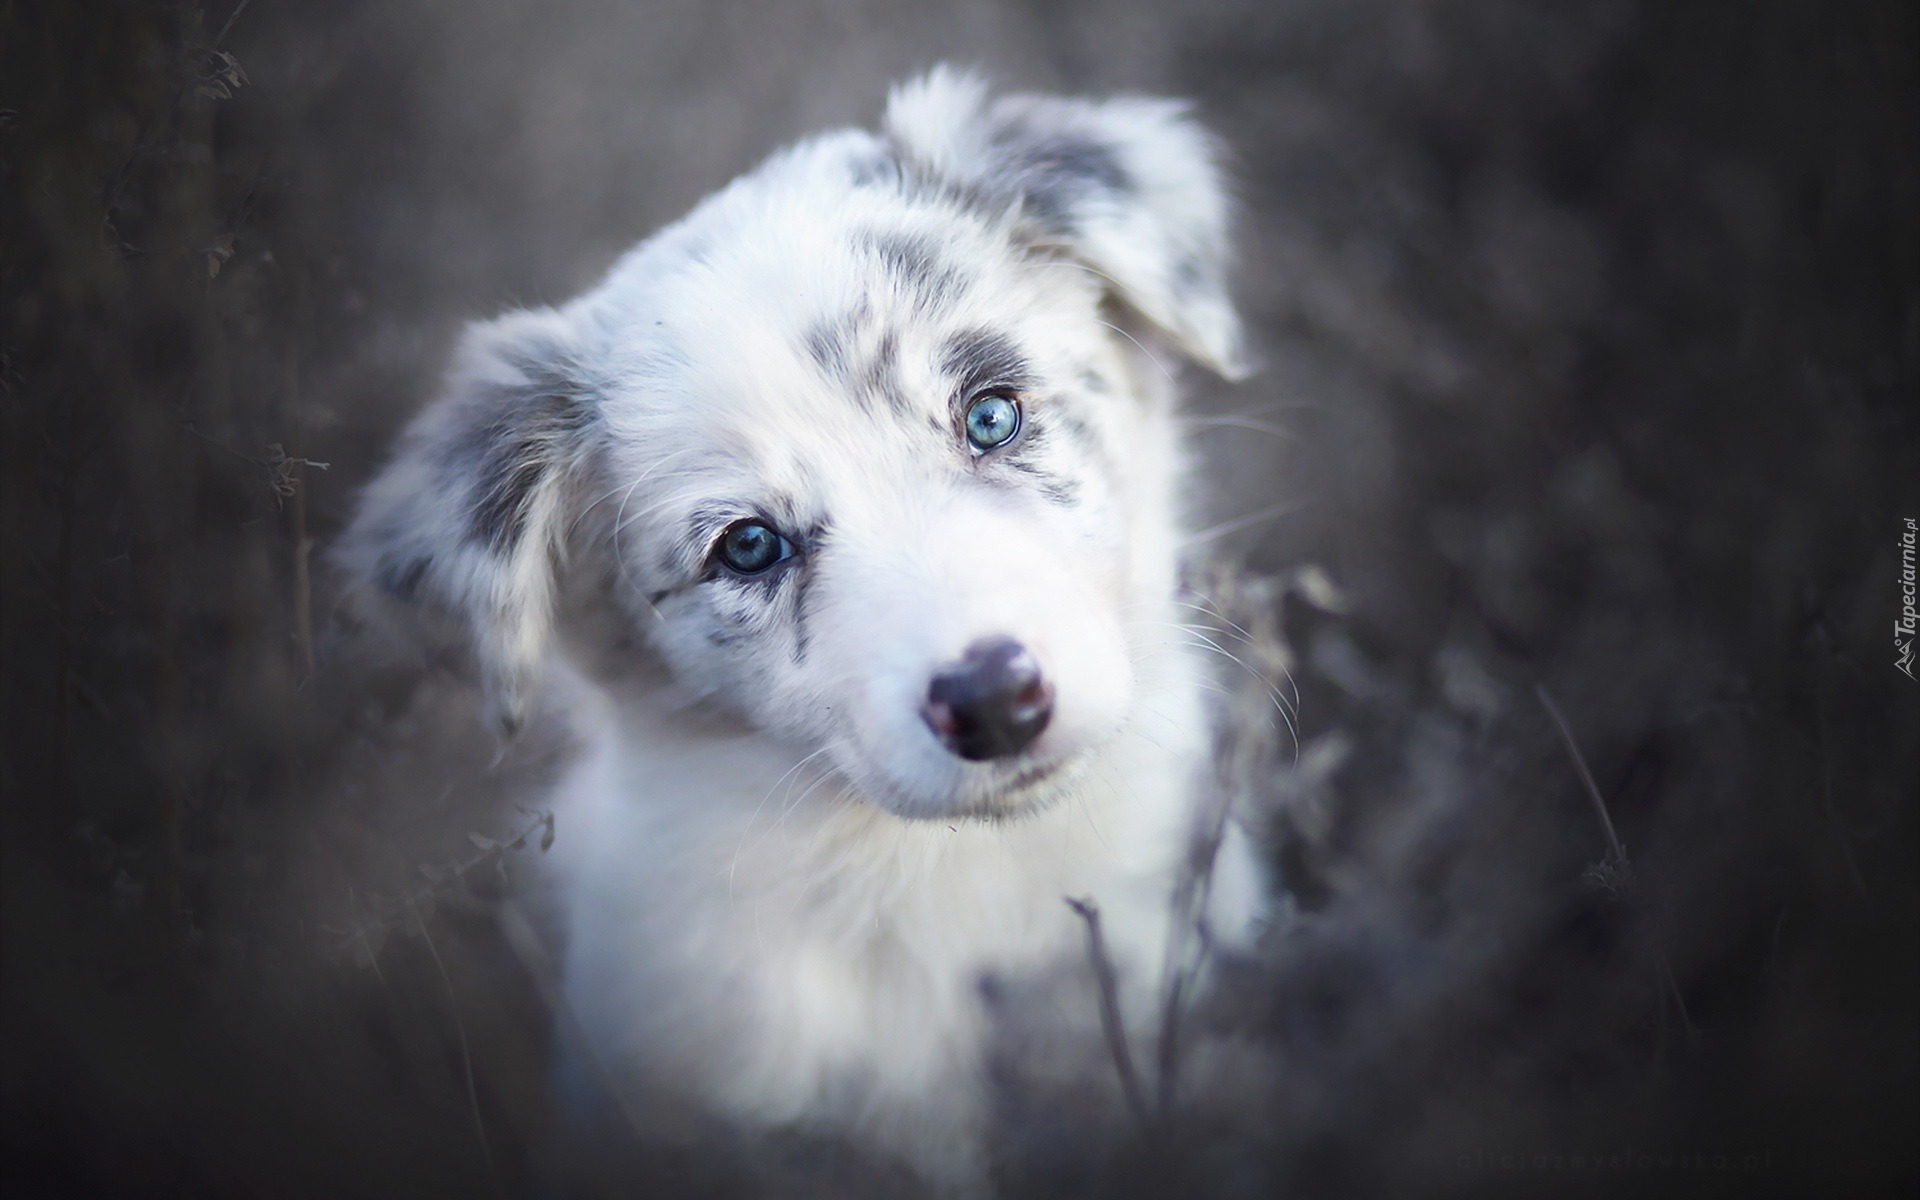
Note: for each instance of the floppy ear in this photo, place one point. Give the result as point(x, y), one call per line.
point(470, 517)
point(1131, 187)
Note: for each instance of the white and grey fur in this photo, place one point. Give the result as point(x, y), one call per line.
point(781, 890)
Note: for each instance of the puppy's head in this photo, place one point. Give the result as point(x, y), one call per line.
point(873, 447)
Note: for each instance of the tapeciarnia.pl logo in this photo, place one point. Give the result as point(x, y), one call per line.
point(1904, 627)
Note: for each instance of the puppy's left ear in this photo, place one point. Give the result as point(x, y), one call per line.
point(1131, 187)
point(469, 521)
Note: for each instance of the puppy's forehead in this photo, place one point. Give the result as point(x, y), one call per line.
point(815, 312)
point(893, 282)
point(819, 249)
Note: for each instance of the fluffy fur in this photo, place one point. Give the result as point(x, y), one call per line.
point(782, 892)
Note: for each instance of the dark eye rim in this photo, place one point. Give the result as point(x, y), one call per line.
point(1019, 419)
point(718, 564)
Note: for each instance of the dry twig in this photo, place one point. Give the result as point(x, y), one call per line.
point(1615, 873)
point(1110, 1019)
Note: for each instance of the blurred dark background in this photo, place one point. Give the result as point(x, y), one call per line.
point(1591, 342)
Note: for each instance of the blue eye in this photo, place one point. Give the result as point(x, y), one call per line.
point(992, 420)
point(750, 547)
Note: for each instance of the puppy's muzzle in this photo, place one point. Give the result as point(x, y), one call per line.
point(990, 704)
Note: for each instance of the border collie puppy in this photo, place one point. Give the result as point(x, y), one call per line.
point(846, 511)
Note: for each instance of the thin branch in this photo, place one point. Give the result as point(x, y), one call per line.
point(228, 27)
point(1192, 898)
point(1834, 826)
point(466, 1053)
point(1110, 1005)
point(282, 468)
point(540, 968)
point(385, 912)
point(1620, 878)
point(1586, 776)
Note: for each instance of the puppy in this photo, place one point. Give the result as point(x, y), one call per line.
point(846, 511)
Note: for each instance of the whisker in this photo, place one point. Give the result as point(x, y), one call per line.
point(1207, 643)
point(1237, 422)
point(604, 496)
point(1292, 684)
point(1272, 511)
point(662, 503)
point(1079, 266)
point(620, 523)
point(1213, 608)
point(1136, 341)
point(741, 846)
point(1213, 611)
point(1115, 284)
point(792, 805)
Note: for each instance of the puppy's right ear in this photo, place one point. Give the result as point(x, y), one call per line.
point(470, 517)
point(1131, 188)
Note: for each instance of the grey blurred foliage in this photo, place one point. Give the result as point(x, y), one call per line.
point(1590, 339)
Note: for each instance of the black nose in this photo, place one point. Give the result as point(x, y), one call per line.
point(991, 703)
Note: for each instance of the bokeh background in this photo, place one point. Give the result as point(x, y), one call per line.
point(1590, 339)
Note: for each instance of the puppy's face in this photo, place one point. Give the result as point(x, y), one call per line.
point(893, 496)
point(861, 442)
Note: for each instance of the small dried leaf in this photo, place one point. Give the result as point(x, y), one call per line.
point(1320, 590)
point(1612, 875)
point(218, 254)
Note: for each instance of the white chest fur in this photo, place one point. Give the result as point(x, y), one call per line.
point(745, 936)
